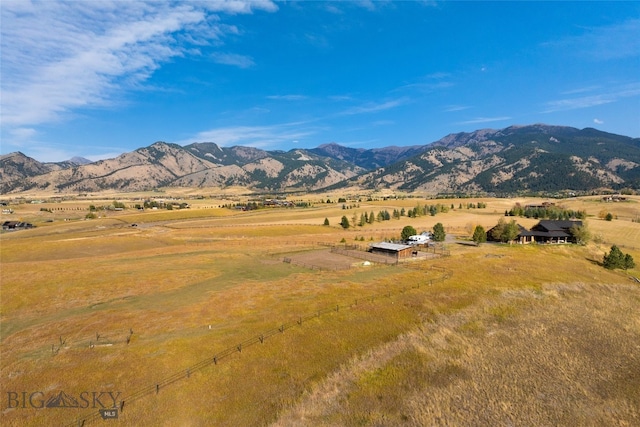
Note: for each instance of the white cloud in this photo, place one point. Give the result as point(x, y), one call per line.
point(478, 120)
point(598, 121)
point(373, 107)
point(453, 108)
point(613, 95)
point(58, 57)
point(22, 134)
point(332, 8)
point(429, 83)
point(584, 89)
point(252, 136)
point(241, 61)
point(610, 42)
point(291, 97)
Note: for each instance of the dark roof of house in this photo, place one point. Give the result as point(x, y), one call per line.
point(556, 225)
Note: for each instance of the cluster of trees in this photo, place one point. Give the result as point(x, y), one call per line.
point(546, 212)
point(420, 210)
point(438, 233)
point(505, 231)
point(604, 214)
point(616, 259)
point(479, 205)
point(363, 219)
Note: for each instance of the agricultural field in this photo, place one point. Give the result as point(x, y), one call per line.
point(192, 317)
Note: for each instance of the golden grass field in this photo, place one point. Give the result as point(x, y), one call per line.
point(519, 335)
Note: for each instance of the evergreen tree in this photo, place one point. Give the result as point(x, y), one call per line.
point(408, 231)
point(614, 259)
point(479, 235)
point(345, 222)
point(438, 233)
point(326, 221)
point(628, 262)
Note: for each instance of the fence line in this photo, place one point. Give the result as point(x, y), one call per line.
point(238, 348)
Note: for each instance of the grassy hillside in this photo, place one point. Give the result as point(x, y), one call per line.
point(519, 331)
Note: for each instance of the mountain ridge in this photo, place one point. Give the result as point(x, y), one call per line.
point(530, 158)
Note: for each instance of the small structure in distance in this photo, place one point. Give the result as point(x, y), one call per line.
point(419, 239)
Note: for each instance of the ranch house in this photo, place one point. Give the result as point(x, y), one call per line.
point(549, 231)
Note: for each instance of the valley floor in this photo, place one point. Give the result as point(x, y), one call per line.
point(102, 314)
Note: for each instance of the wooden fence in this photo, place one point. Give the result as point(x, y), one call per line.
point(183, 374)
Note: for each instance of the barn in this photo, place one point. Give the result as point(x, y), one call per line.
point(394, 250)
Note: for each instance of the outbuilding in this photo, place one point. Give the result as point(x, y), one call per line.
point(395, 250)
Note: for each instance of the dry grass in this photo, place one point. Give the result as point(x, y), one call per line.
point(563, 356)
point(195, 284)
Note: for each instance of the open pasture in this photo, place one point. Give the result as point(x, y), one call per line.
point(101, 306)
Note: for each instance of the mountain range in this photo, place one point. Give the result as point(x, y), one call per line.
point(533, 158)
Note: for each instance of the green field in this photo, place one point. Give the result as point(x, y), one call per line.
point(523, 335)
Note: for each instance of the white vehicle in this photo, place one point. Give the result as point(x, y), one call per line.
point(418, 239)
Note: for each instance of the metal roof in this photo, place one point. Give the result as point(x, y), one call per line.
point(390, 246)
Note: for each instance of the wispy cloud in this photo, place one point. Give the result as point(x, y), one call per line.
point(240, 61)
point(604, 43)
point(478, 120)
point(332, 8)
point(598, 121)
point(58, 57)
point(453, 108)
point(253, 136)
point(290, 97)
point(584, 89)
point(374, 107)
point(429, 83)
point(613, 95)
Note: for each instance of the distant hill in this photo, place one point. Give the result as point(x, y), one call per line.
point(534, 158)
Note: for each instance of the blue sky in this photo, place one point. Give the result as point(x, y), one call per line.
point(96, 79)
